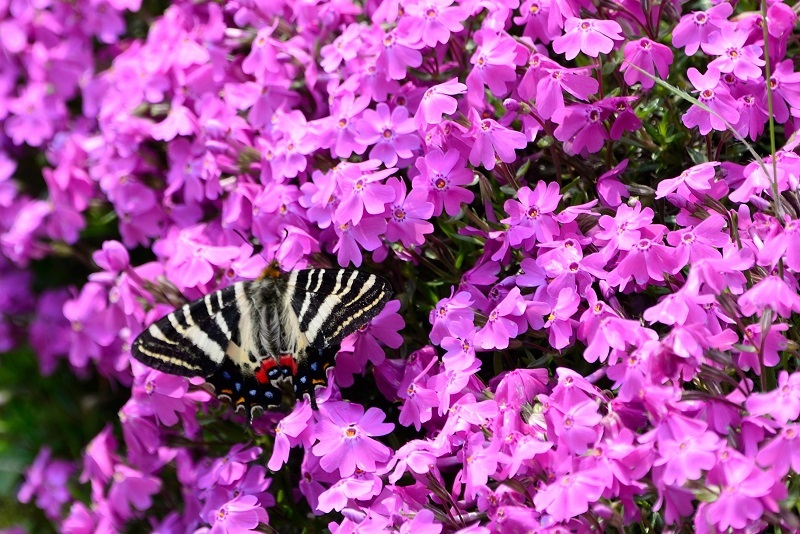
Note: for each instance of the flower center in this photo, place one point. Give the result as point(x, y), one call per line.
point(387, 133)
point(534, 9)
point(707, 94)
point(586, 26)
point(643, 244)
point(342, 122)
point(440, 183)
point(350, 432)
point(399, 214)
point(700, 18)
point(733, 53)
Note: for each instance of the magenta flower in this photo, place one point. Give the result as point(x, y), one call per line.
point(491, 138)
point(438, 101)
point(292, 430)
point(650, 56)
point(46, 480)
point(431, 21)
point(131, 489)
point(480, 462)
point(501, 325)
point(771, 292)
point(559, 321)
point(782, 452)
point(590, 36)
point(165, 394)
point(442, 175)
point(242, 514)
point(361, 486)
point(648, 260)
point(342, 134)
point(685, 449)
point(397, 55)
point(577, 427)
point(393, 134)
point(693, 181)
point(715, 97)
point(745, 492)
point(345, 438)
point(494, 64)
point(744, 61)
point(582, 127)
point(447, 313)
point(570, 494)
point(695, 28)
point(409, 223)
point(782, 403)
point(530, 217)
point(352, 238)
point(230, 468)
point(556, 80)
point(363, 192)
point(785, 84)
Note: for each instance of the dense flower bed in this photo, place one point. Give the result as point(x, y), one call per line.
point(595, 321)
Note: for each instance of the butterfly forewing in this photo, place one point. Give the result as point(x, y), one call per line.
point(333, 303)
point(194, 339)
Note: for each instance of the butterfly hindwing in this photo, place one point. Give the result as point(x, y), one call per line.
point(331, 304)
point(245, 392)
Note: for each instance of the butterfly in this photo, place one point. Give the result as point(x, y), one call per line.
point(249, 339)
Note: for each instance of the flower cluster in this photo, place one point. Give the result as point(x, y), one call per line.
point(597, 284)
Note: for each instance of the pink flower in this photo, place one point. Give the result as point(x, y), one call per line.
point(569, 494)
point(241, 514)
point(582, 128)
point(230, 468)
point(649, 56)
point(448, 312)
point(494, 63)
point(384, 327)
point(491, 138)
point(744, 61)
point(292, 430)
point(531, 216)
point(352, 238)
point(501, 326)
point(590, 36)
point(782, 403)
point(715, 97)
point(695, 28)
point(771, 292)
point(782, 452)
point(438, 101)
point(431, 21)
point(131, 488)
point(685, 448)
point(551, 87)
point(409, 215)
point(443, 176)
point(397, 55)
point(745, 492)
point(47, 480)
point(344, 438)
point(363, 192)
point(393, 134)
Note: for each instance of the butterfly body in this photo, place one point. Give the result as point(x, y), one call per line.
point(251, 338)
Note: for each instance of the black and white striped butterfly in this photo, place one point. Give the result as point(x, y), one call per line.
point(249, 337)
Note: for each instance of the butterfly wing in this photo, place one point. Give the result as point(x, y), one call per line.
point(194, 339)
point(331, 304)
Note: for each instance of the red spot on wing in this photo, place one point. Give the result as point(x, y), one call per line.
point(287, 360)
point(262, 375)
